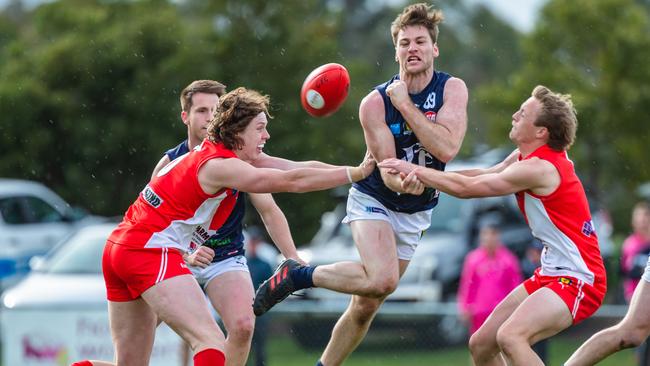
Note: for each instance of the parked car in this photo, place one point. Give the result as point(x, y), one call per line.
point(32, 220)
point(428, 287)
point(58, 313)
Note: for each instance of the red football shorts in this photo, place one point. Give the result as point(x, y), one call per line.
point(128, 272)
point(582, 299)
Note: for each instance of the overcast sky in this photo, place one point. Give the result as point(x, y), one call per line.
point(521, 13)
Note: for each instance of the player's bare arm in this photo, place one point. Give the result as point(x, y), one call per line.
point(276, 224)
point(161, 164)
point(378, 136)
point(443, 138)
point(216, 174)
point(267, 161)
point(512, 158)
point(540, 176)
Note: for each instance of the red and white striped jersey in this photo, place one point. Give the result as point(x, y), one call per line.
point(562, 222)
point(173, 211)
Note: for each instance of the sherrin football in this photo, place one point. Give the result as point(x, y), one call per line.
point(325, 89)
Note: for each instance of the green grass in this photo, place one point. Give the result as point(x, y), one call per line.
point(284, 351)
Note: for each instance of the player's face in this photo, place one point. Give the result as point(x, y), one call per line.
point(200, 114)
point(523, 122)
point(415, 50)
point(253, 137)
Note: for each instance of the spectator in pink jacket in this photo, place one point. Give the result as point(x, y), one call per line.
point(490, 272)
point(634, 253)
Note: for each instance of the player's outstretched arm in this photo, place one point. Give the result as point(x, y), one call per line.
point(234, 173)
point(535, 174)
point(498, 168)
point(268, 161)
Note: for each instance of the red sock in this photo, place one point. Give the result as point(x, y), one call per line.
point(209, 357)
point(82, 363)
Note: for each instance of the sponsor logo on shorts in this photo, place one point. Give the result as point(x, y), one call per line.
point(588, 228)
point(564, 281)
point(395, 128)
point(372, 209)
point(151, 197)
point(431, 115)
point(183, 265)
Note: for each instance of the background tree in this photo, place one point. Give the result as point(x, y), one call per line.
point(597, 51)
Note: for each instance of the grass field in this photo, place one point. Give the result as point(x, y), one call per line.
point(284, 352)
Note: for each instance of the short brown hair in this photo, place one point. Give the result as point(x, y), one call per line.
point(200, 86)
point(237, 110)
point(558, 116)
point(418, 14)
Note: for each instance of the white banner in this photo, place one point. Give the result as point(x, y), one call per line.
point(60, 337)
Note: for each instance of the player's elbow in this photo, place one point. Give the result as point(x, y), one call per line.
point(449, 153)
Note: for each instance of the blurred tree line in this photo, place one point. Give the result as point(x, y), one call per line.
point(89, 88)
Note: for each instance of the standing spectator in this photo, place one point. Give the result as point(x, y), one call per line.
point(260, 270)
point(634, 252)
point(490, 272)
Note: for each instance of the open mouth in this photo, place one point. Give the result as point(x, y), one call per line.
point(413, 59)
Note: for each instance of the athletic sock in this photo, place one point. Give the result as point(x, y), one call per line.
point(303, 277)
point(82, 363)
point(209, 357)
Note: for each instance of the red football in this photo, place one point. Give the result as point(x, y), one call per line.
point(325, 89)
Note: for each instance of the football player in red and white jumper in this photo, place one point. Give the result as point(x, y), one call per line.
point(146, 277)
point(570, 284)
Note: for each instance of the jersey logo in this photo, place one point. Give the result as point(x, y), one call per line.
point(416, 154)
point(588, 228)
point(151, 197)
point(430, 102)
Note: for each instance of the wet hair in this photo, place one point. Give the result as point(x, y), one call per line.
point(236, 110)
point(558, 115)
point(418, 14)
point(200, 86)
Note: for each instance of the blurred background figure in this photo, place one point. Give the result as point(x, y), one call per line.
point(531, 261)
point(259, 257)
point(635, 249)
point(490, 272)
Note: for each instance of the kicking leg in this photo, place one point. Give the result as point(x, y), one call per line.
point(376, 244)
point(377, 275)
